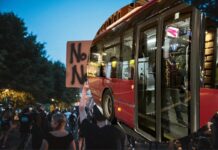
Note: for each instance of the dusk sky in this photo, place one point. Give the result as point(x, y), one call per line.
point(57, 21)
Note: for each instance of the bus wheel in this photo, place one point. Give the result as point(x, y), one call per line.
point(108, 106)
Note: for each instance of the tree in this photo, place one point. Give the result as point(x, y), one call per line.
point(24, 65)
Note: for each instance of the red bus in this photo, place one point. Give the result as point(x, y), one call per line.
point(154, 67)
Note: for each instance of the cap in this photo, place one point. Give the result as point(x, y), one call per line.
point(98, 113)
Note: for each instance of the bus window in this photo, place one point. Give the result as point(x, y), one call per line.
point(111, 41)
point(127, 56)
point(209, 72)
point(93, 69)
point(93, 56)
point(175, 77)
point(111, 55)
point(209, 64)
point(146, 80)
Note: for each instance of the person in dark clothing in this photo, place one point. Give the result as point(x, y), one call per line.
point(213, 126)
point(6, 121)
point(99, 135)
point(37, 132)
point(25, 126)
point(48, 120)
point(44, 121)
point(74, 128)
point(57, 143)
point(174, 80)
point(107, 137)
point(59, 138)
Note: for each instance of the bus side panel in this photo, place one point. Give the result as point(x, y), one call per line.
point(208, 104)
point(126, 94)
point(126, 115)
point(123, 92)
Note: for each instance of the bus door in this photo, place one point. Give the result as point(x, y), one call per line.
point(172, 96)
point(175, 74)
point(146, 112)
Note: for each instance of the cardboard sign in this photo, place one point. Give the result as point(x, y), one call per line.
point(77, 56)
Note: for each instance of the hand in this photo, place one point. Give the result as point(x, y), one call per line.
point(209, 125)
point(85, 88)
point(84, 98)
point(82, 103)
point(86, 85)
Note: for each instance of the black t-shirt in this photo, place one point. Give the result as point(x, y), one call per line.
point(107, 137)
point(37, 136)
point(57, 143)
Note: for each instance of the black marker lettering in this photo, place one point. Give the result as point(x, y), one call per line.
point(75, 74)
point(77, 53)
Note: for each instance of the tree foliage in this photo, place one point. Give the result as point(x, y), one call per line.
point(16, 98)
point(24, 65)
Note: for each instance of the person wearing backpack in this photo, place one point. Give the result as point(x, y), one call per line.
point(74, 128)
point(98, 133)
point(25, 126)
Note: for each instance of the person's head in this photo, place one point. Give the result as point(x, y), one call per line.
point(58, 121)
point(99, 117)
point(39, 108)
point(25, 110)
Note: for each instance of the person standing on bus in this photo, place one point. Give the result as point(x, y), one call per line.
point(174, 84)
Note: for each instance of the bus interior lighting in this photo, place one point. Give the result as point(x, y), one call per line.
point(132, 62)
point(114, 63)
point(177, 15)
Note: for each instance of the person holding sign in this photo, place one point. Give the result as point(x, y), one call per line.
point(98, 134)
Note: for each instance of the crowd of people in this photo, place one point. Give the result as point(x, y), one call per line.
point(82, 128)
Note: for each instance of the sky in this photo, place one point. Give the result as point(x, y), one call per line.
point(57, 21)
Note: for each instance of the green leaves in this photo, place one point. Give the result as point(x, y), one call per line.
point(24, 64)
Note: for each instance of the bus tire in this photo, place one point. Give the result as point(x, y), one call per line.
point(108, 105)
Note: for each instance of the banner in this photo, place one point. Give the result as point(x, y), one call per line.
point(76, 62)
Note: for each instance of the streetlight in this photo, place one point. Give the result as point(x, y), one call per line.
point(52, 99)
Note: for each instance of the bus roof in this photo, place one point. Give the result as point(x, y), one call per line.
point(128, 12)
point(125, 13)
